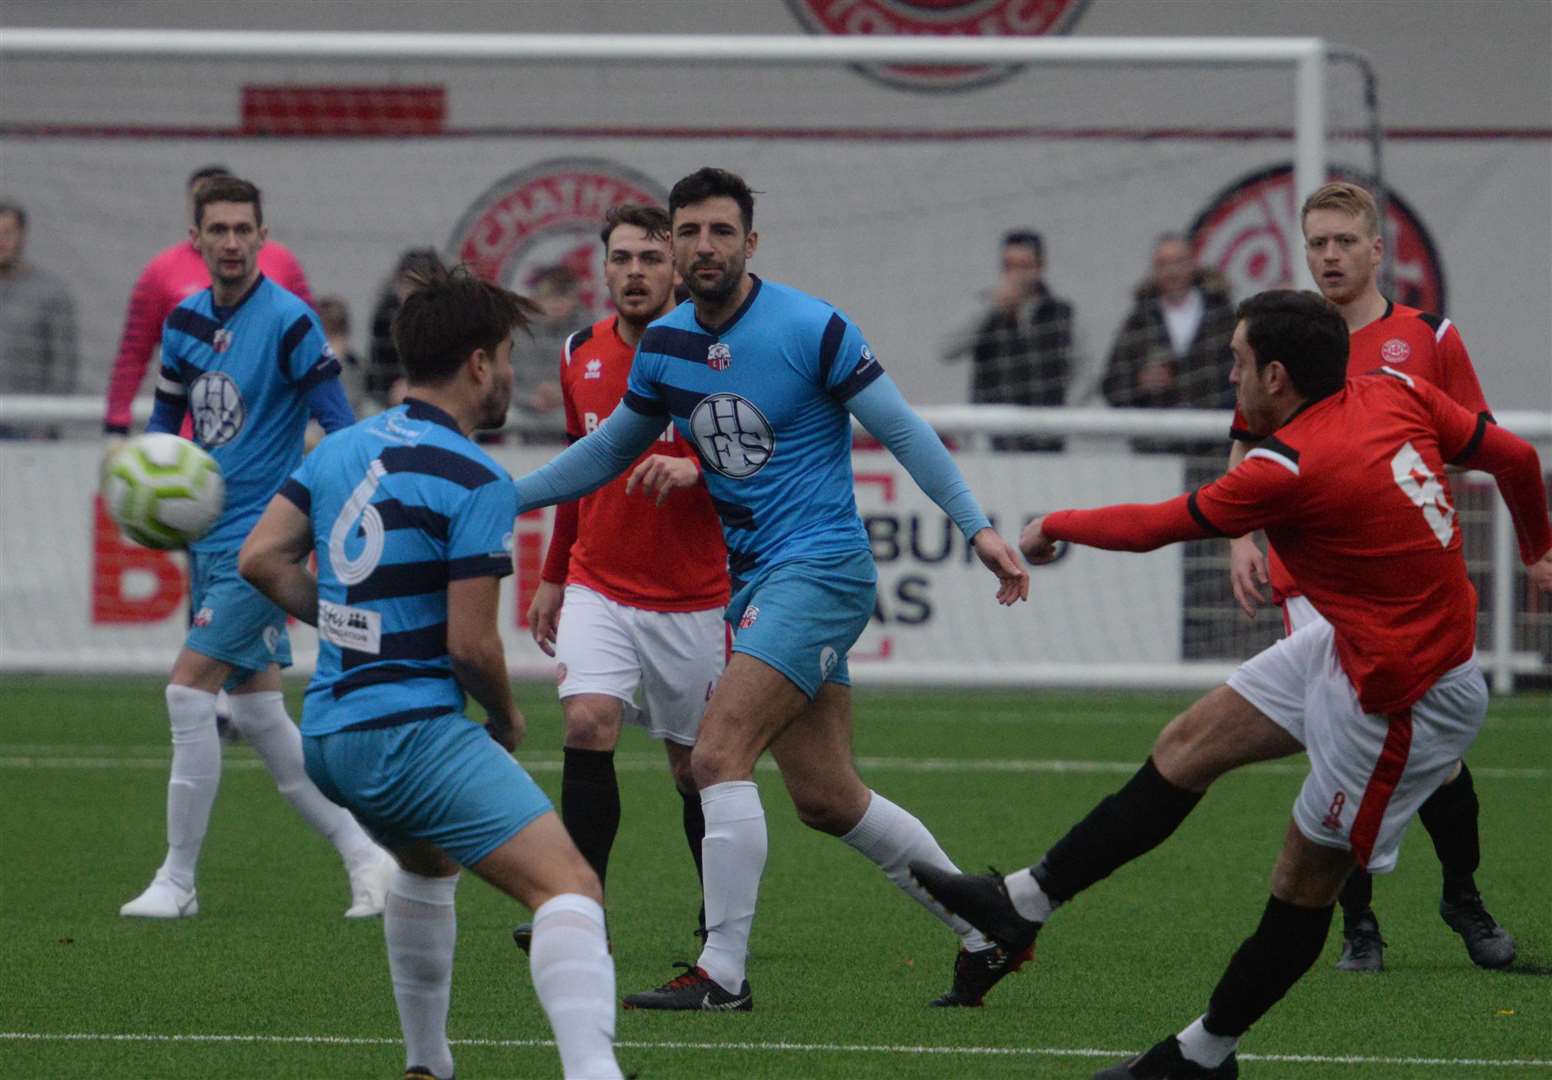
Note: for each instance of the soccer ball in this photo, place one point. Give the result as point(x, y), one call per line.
point(163, 491)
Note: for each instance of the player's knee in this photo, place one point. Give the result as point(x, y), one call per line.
point(592, 725)
point(683, 773)
point(1182, 753)
point(822, 811)
point(711, 764)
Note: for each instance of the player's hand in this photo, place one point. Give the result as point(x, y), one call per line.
point(660, 474)
point(1247, 573)
point(996, 554)
point(546, 397)
point(1540, 573)
point(1037, 547)
point(509, 731)
point(111, 446)
point(544, 615)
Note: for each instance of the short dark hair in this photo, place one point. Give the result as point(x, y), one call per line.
point(710, 183)
point(227, 189)
point(1304, 332)
point(418, 261)
point(448, 315)
point(9, 207)
point(652, 220)
point(334, 314)
point(1026, 238)
point(205, 172)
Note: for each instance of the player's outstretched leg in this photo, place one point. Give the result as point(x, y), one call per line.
point(1450, 816)
point(191, 791)
point(261, 719)
point(1362, 947)
point(421, 928)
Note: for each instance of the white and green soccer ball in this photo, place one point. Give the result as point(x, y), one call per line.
point(163, 491)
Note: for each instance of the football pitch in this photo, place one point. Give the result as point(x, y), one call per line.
point(270, 981)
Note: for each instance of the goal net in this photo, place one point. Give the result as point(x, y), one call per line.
point(889, 173)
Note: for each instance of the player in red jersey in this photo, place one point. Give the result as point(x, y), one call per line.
point(643, 584)
point(1349, 481)
point(166, 281)
point(1343, 245)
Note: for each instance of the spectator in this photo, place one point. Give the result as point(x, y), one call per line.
point(37, 323)
point(1021, 347)
point(536, 395)
point(165, 282)
point(335, 317)
point(1172, 350)
point(384, 374)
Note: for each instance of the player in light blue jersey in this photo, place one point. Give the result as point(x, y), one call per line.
point(411, 524)
point(251, 361)
point(764, 381)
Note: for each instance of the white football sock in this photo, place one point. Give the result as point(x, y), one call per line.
point(1029, 899)
point(421, 928)
point(733, 858)
point(191, 787)
point(1203, 1047)
point(893, 838)
point(265, 725)
point(573, 975)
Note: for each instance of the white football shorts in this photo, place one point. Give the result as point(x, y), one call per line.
point(1368, 773)
point(1298, 613)
point(673, 657)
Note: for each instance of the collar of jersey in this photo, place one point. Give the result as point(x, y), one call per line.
point(224, 313)
point(416, 409)
point(739, 314)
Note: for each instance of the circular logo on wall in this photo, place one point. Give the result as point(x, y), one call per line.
point(963, 18)
point(1250, 232)
point(548, 216)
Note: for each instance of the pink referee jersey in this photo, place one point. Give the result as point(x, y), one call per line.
point(166, 281)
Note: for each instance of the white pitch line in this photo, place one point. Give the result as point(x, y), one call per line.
point(780, 1047)
point(40, 756)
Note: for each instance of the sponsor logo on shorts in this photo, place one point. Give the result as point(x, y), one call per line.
point(1250, 233)
point(751, 613)
point(718, 356)
point(993, 18)
point(828, 658)
point(1396, 351)
point(1333, 819)
point(205, 617)
point(271, 637)
point(545, 216)
point(560, 674)
point(351, 628)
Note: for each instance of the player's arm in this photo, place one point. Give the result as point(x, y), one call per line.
point(1248, 572)
point(479, 555)
point(883, 411)
point(273, 558)
point(549, 597)
point(315, 370)
point(142, 325)
point(172, 396)
point(591, 462)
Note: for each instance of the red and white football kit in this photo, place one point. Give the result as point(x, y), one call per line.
point(167, 280)
point(1386, 696)
point(646, 585)
point(1420, 344)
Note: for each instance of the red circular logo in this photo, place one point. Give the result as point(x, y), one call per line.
point(1250, 232)
point(1395, 351)
point(560, 674)
point(548, 215)
point(986, 18)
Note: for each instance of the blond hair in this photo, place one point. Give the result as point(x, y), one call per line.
point(1348, 198)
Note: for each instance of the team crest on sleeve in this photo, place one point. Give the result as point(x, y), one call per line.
point(218, 409)
point(1395, 351)
point(718, 356)
point(733, 435)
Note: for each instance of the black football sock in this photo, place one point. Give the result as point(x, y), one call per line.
point(1450, 816)
point(1133, 821)
point(1266, 966)
point(694, 833)
point(590, 804)
point(1357, 895)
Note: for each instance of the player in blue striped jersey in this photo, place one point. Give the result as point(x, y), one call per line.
point(411, 524)
point(764, 381)
point(250, 360)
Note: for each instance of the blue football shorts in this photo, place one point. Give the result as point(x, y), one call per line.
point(231, 621)
point(442, 780)
point(803, 617)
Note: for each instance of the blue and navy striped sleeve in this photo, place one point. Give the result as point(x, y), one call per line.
point(298, 488)
point(479, 543)
point(641, 392)
point(172, 396)
point(846, 365)
point(305, 356)
point(884, 412)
